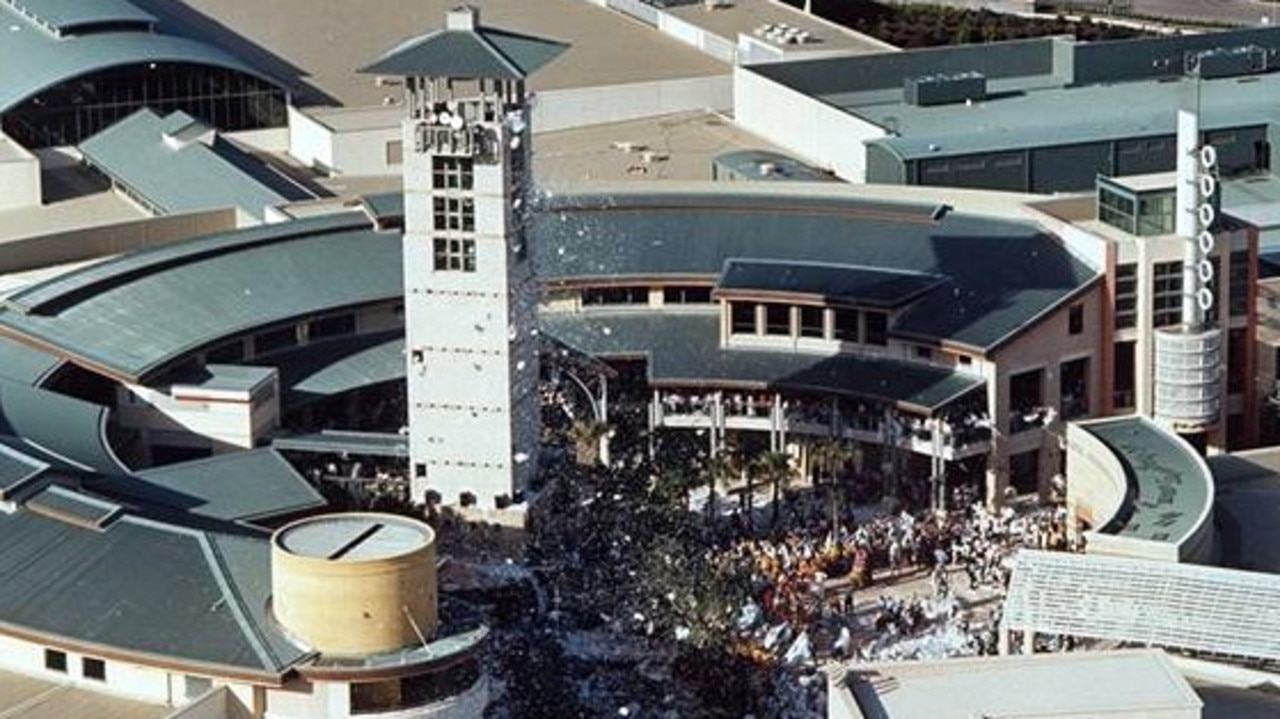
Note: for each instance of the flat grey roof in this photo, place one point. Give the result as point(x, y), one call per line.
point(323, 47)
point(354, 537)
point(1174, 489)
point(178, 164)
point(745, 16)
point(1072, 684)
point(32, 60)
point(683, 350)
point(226, 377)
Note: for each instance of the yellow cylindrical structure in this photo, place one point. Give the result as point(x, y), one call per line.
point(355, 584)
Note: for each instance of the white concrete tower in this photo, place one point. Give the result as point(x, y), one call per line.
point(470, 299)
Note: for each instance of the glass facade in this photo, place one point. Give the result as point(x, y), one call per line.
point(72, 111)
point(1138, 213)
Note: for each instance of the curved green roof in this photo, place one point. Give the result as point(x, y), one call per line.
point(32, 60)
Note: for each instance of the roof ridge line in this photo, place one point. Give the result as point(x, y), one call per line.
point(235, 601)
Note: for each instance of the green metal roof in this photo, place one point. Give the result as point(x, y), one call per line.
point(1051, 116)
point(143, 586)
point(64, 16)
point(478, 52)
point(1001, 274)
point(839, 283)
point(1174, 487)
point(332, 367)
point(683, 350)
point(193, 293)
point(241, 486)
point(23, 363)
point(70, 429)
point(178, 164)
point(375, 444)
point(17, 470)
point(32, 60)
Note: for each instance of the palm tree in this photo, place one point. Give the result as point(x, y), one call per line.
point(720, 469)
point(775, 468)
point(831, 457)
point(587, 435)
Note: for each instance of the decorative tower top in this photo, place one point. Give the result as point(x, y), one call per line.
point(466, 49)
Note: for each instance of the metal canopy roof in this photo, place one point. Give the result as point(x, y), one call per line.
point(1001, 274)
point(71, 430)
point(31, 60)
point(373, 444)
point(864, 285)
point(24, 363)
point(332, 367)
point(1178, 606)
point(175, 594)
point(465, 49)
point(238, 487)
point(178, 164)
point(198, 292)
point(683, 350)
point(64, 16)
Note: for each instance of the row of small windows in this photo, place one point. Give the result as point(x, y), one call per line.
point(283, 338)
point(452, 173)
point(868, 327)
point(90, 667)
point(623, 295)
point(1167, 292)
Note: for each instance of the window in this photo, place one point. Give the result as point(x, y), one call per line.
point(964, 360)
point(1166, 294)
point(453, 254)
point(846, 325)
point(1126, 296)
point(623, 295)
point(335, 326)
point(877, 328)
point(812, 322)
point(395, 153)
point(454, 213)
point(229, 353)
point(742, 318)
point(1122, 383)
point(1073, 388)
point(777, 319)
point(1238, 275)
point(93, 669)
point(1075, 320)
point(419, 470)
point(686, 295)
point(194, 687)
point(274, 340)
point(55, 661)
point(923, 353)
point(452, 173)
point(1237, 350)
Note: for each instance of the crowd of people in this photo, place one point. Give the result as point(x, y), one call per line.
point(805, 575)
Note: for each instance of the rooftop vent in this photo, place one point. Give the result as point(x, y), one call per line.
point(1228, 62)
point(944, 89)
